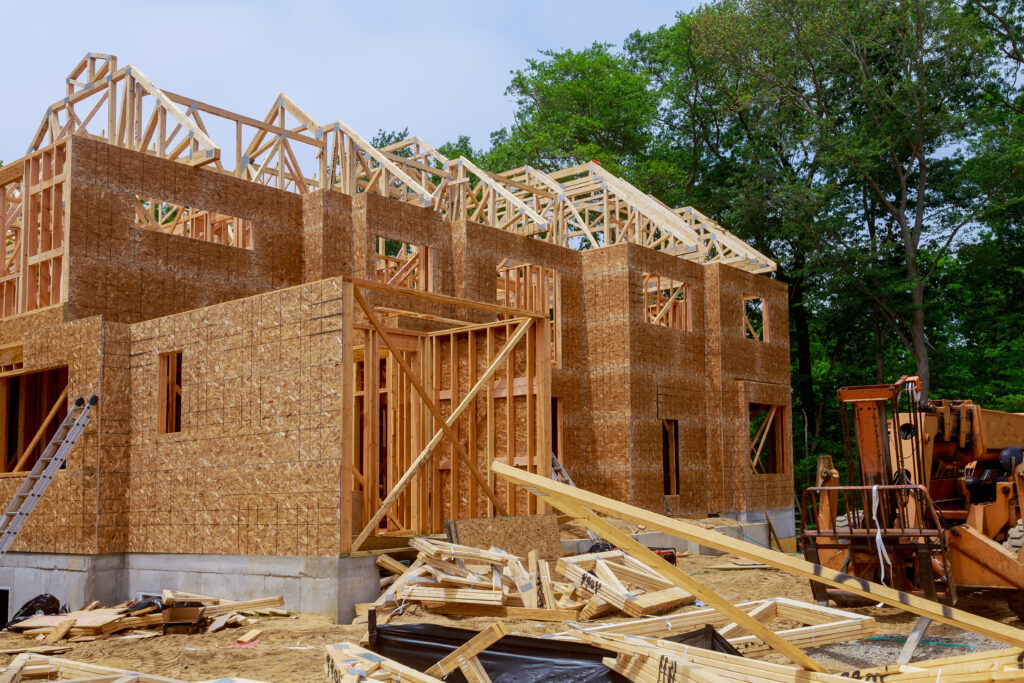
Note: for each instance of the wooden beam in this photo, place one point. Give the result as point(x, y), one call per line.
point(557, 493)
point(443, 299)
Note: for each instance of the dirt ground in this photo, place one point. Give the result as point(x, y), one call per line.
point(289, 651)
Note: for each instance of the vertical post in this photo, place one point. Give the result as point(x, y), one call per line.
point(542, 328)
point(348, 400)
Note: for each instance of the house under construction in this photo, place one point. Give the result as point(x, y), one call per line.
point(304, 345)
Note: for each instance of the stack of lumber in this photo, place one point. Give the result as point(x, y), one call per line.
point(95, 623)
point(350, 663)
point(27, 667)
point(456, 579)
point(818, 625)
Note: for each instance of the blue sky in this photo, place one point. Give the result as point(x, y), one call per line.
point(438, 68)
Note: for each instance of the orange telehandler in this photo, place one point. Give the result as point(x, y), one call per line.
point(937, 507)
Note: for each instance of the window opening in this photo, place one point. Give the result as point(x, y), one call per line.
point(11, 358)
point(402, 264)
point(755, 318)
point(670, 456)
point(32, 406)
point(169, 398)
point(188, 221)
point(766, 445)
point(533, 288)
point(667, 302)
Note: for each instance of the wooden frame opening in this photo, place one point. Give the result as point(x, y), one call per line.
point(767, 443)
point(168, 413)
point(32, 406)
point(533, 288)
point(667, 302)
point(188, 221)
point(11, 357)
point(670, 456)
point(45, 217)
point(403, 264)
point(427, 411)
point(755, 318)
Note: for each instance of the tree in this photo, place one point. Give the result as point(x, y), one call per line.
point(572, 107)
point(888, 88)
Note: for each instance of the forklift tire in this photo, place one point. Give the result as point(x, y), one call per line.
point(1015, 538)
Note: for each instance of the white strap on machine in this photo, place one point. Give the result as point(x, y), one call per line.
point(878, 536)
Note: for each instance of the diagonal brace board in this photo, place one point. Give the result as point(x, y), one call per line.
point(428, 450)
point(556, 492)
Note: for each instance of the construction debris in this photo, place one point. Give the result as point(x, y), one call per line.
point(177, 612)
point(30, 666)
point(457, 579)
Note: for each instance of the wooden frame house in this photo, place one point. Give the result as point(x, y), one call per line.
point(303, 344)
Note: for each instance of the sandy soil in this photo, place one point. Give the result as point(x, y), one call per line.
point(289, 649)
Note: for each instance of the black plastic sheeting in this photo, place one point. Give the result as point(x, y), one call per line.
point(513, 659)
point(41, 604)
point(707, 638)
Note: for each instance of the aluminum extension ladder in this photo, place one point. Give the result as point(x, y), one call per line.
point(46, 467)
point(559, 474)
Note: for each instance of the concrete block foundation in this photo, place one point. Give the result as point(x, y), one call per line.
point(319, 585)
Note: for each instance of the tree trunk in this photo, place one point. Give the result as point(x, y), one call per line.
point(918, 340)
point(879, 353)
point(804, 373)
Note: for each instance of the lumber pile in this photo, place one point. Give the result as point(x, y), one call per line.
point(29, 666)
point(456, 579)
point(350, 663)
point(96, 623)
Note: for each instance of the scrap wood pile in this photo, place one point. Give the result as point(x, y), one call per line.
point(174, 612)
point(35, 667)
point(457, 579)
point(657, 650)
point(654, 649)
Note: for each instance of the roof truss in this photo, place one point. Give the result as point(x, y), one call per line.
point(583, 205)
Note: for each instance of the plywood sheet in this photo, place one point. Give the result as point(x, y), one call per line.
point(516, 535)
point(93, 619)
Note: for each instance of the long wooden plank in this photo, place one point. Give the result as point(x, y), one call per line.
point(560, 494)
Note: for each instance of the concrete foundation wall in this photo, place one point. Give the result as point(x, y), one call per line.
point(320, 585)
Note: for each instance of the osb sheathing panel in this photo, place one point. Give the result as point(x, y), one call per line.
point(668, 382)
point(599, 460)
point(65, 519)
point(255, 468)
point(127, 273)
point(14, 328)
point(327, 237)
point(740, 358)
